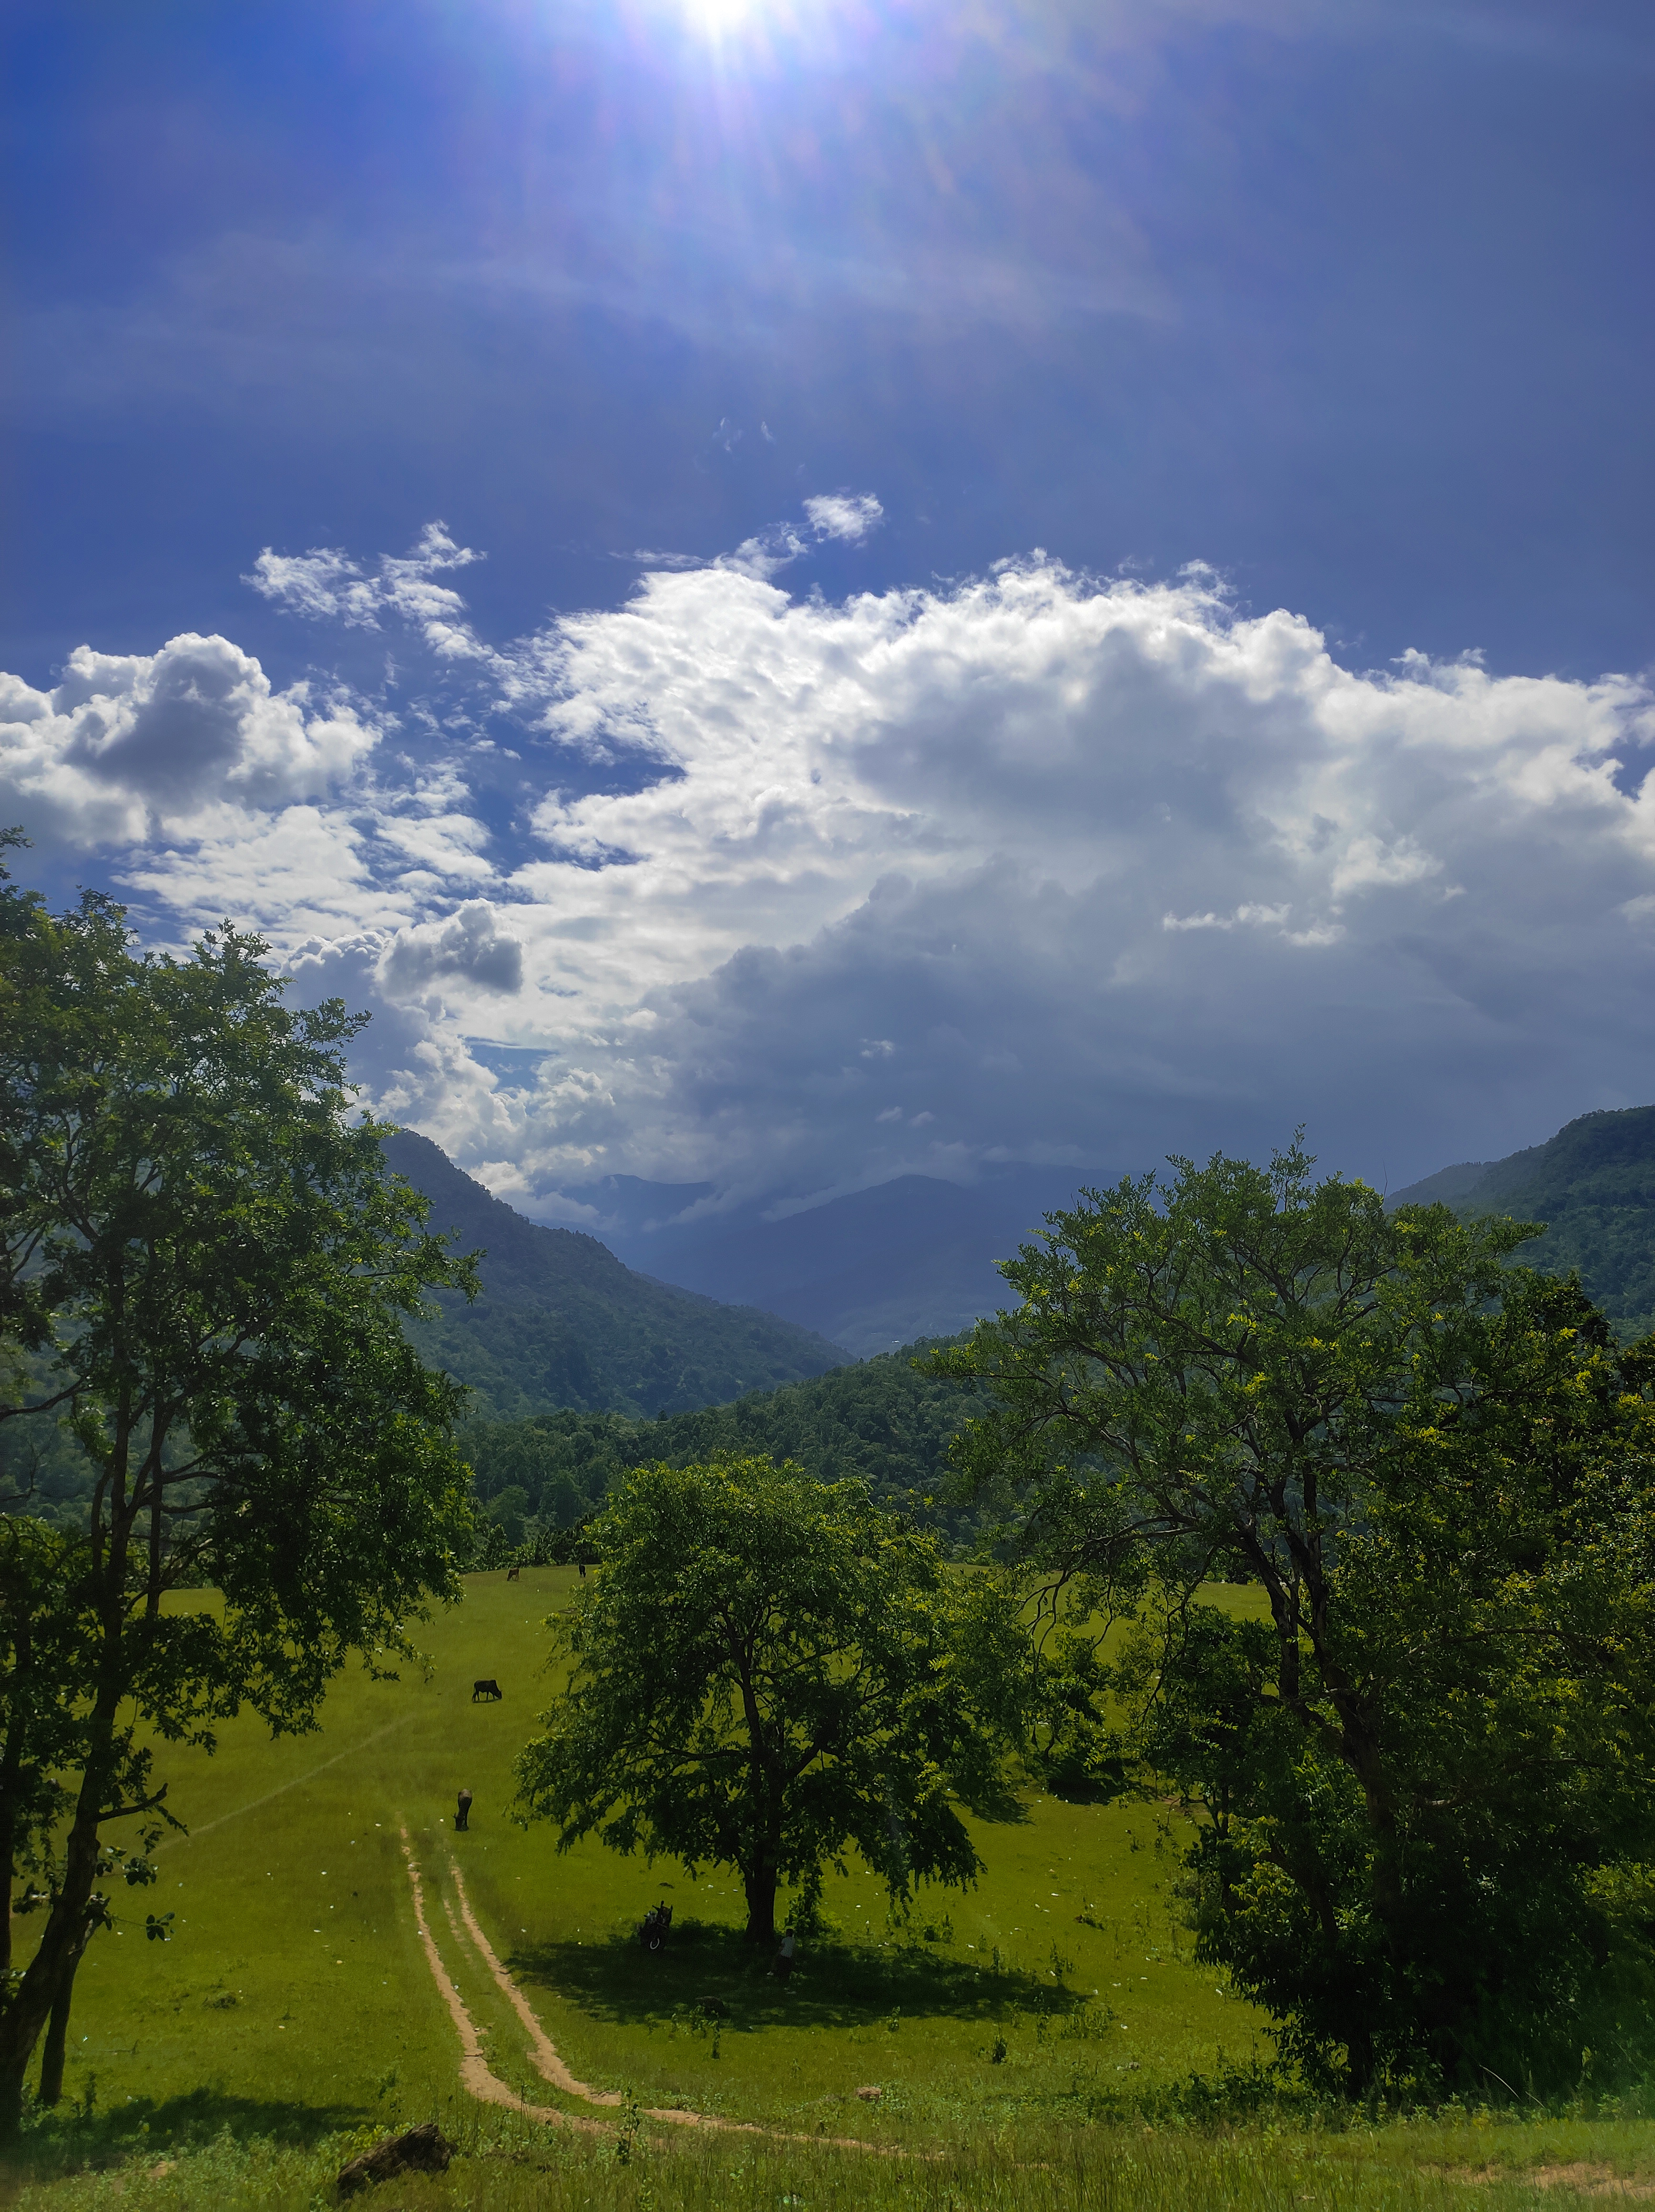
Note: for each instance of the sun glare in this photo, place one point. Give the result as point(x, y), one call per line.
point(765, 34)
point(719, 17)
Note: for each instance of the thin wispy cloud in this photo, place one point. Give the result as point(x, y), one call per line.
point(326, 585)
point(846, 515)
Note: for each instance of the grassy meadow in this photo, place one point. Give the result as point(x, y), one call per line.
point(1015, 2034)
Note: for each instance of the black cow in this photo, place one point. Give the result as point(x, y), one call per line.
point(511, 1573)
point(488, 1688)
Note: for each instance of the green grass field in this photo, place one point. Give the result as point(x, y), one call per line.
point(297, 2003)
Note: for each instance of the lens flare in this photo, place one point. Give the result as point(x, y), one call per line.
point(718, 18)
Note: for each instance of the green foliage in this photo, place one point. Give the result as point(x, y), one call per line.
point(1593, 1186)
point(1424, 1778)
point(762, 1677)
point(43, 1471)
point(1072, 1738)
point(206, 1271)
point(561, 1464)
point(46, 1643)
point(879, 1420)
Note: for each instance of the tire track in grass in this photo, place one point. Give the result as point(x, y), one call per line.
point(554, 2069)
point(547, 2056)
point(475, 2074)
point(487, 2087)
point(282, 1788)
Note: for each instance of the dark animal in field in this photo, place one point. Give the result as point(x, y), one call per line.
point(417, 2150)
point(488, 1688)
point(653, 1933)
point(463, 1818)
point(513, 1573)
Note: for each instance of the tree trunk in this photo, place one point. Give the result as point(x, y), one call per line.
point(11, 2103)
point(760, 1883)
point(7, 1864)
point(33, 1999)
point(51, 2057)
point(50, 1972)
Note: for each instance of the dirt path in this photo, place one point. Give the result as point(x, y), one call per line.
point(1597, 2181)
point(548, 2058)
point(475, 2072)
point(1583, 2179)
point(490, 2089)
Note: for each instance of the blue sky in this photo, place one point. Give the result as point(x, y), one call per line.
point(796, 591)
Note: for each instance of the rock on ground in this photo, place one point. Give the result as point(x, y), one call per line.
point(415, 2150)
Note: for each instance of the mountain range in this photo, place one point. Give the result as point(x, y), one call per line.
point(1593, 1185)
point(914, 1257)
point(752, 1305)
point(562, 1322)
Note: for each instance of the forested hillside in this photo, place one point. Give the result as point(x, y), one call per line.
point(879, 1419)
point(1593, 1185)
point(562, 1322)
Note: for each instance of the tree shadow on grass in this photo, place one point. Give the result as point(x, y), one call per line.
point(711, 1971)
point(68, 2138)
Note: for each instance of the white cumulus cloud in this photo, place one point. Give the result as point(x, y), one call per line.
point(470, 948)
point(126, 741)
point(1038, 866)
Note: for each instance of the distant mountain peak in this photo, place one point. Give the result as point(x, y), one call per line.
point(561, 1322)
point(1593, 1186)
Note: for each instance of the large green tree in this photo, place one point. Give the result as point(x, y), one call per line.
point(1426, 1775)
point(766, 1670)
point(205, 1271)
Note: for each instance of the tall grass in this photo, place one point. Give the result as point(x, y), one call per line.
point(506, 2163)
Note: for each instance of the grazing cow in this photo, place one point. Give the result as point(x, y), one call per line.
point(511, 1573)
point(486, 1688)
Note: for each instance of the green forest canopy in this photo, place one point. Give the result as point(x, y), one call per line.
point(879, 1419)
point(1593, 1185)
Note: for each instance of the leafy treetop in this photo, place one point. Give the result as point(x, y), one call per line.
point(763, 1675)
point(208, 1267)
point(1428, 1770)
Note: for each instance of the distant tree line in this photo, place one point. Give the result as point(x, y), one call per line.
point(885, 1421)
